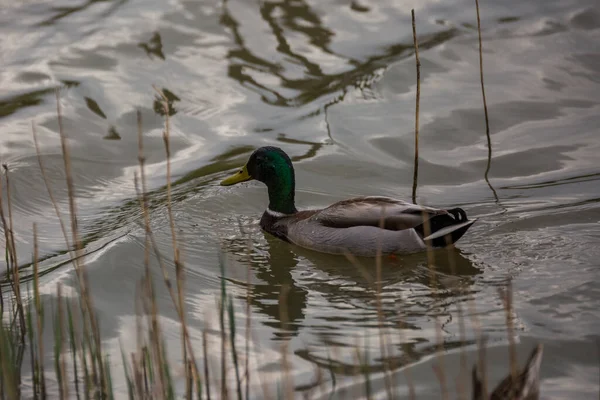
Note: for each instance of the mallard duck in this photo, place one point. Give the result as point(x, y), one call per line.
point(526, 386)
point(362, 226)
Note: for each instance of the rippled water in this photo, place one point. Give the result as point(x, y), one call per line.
point(332, 83)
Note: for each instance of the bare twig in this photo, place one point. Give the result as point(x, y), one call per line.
point(418, 63)
point(485, 110)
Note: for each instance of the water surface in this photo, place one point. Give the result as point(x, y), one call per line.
point(333, 84)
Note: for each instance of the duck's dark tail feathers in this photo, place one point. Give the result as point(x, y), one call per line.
point(442, 230)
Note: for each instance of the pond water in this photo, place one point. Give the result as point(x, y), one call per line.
point(332, 83)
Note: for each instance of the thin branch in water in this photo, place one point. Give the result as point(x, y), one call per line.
point(12, 259)
point(418, 63)
point(485, 109)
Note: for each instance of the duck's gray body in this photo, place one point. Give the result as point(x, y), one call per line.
point(368, 226)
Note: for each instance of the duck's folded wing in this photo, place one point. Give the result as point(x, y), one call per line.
point(391, 214)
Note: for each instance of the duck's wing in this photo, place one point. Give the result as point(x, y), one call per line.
point(386, 212)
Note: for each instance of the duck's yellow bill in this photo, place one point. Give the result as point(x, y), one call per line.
point(240, 176)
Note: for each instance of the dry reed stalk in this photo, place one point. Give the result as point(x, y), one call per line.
point(2, 297)
point(137, 357)
point(427, 228)
point(81, 273)
point(143, 199)
point(418, 64)
point(190, 377)
point(224, 389)
point(63, 378)
point(137, 376)
point(155, 336)
point(150, 307)
point(206, 366)
point(176, 252)
point(177, 299)
point(39, 315)
point(507, 301)
point(476, 325)
point(439, 370)
point(10, 220)
point(485, 110)
point(70, 248)
point(179, 305)
point(12, 233)
point(13, 265)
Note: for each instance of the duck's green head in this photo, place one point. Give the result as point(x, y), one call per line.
point(273, 167)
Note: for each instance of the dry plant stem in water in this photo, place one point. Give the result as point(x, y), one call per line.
point(12, 262)
point(475, 320)
point(38, 313)
point(92, 333)
point(418, 64)
point(430, 262)
point(507, 300)
point(12, 339)
point(150, 309)
point(485, 110)
point(187, 349)
point(189, 364)
point(176, 252)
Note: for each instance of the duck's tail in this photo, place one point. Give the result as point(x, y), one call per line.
point(442, 230)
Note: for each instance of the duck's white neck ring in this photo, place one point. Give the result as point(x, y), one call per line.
point(277, 214)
